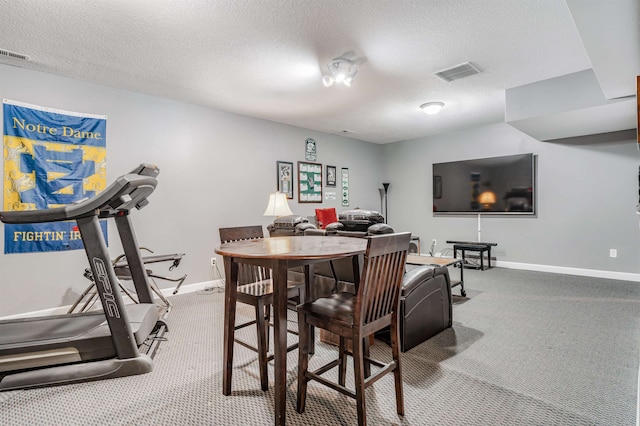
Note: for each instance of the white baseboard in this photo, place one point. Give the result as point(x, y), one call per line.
point(167, 292)
point(624, 276)
point(191, 288)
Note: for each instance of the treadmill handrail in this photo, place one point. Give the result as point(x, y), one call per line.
point(126, 192)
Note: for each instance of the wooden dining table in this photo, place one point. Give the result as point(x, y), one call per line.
point(278, 254)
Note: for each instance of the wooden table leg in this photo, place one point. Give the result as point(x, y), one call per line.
point(230, 294)
point(279, 277)
point(309, 277)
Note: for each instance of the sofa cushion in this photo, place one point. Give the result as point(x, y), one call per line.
point(359, 220)
point(289, 222)
point(326, 216)
point(303, 227)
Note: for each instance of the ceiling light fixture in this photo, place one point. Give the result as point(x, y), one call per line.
point(341, 70)
point(431, 108)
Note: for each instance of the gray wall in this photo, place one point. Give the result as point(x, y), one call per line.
point(587, 197)
point(216, 169)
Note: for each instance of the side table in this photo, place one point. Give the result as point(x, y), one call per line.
point(473, 246)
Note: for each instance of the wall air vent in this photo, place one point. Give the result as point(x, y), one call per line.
point(8, 54)
point(459, 71)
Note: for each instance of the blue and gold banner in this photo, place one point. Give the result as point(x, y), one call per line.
point(51, 158)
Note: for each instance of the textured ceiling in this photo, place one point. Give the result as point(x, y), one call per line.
point(265, 58)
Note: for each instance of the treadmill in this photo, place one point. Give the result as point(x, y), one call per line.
point(119, 340)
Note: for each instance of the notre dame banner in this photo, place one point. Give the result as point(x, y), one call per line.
point(51, 158)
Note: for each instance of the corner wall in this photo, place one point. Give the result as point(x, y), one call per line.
point(216, 169)
point(586, 200)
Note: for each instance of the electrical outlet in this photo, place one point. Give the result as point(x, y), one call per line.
point(613, 253)
point(434, 242)
point(213, 261)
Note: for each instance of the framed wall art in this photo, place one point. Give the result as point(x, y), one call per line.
point(309, 182)
point(285, 177)
point(331, 176)
point(345, 186)
point(310, 150)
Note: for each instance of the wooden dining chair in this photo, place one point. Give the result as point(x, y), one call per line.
point(374, 306)
point(255, 288)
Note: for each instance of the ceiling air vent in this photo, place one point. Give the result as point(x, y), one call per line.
point(8, 54)
point(459, 71)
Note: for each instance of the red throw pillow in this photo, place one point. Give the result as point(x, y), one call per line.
point(326, 216)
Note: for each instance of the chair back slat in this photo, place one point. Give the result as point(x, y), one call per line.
point(239, 233)
point(383, 269)
point(246, 273)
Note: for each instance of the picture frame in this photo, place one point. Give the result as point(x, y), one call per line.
point(310, 153)
point(344, 175)
point(309, 182)
point(284, 170)
point(331, 175)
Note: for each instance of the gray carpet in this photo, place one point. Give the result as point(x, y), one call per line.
point(526, 348)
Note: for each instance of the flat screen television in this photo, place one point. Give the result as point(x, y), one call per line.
point(496, 185)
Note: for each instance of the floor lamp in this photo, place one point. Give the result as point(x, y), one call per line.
point(386, 210)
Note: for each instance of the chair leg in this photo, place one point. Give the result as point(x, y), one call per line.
point(267, 317)
point(262, 330)
point(342, 357)
point(397, 372)
point(359, 367)
point(365, 353)
point(303, 361)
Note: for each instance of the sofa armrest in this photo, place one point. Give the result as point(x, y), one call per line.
point(379, 228)
point(414, 277)
point(333, 227)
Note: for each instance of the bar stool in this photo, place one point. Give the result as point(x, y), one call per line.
point(255, 288)
point(375, 306)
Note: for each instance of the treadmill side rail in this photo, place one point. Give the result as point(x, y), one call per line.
point(64, 374)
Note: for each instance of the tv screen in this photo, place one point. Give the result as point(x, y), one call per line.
point(497, 185)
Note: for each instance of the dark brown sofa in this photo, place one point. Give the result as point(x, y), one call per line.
point(425, 304)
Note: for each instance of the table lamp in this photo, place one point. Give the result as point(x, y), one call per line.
point(487, 198)
point(278, 205)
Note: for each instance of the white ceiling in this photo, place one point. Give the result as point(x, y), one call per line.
point(265, 58)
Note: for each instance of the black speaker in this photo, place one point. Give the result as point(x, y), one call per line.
point(414, 245)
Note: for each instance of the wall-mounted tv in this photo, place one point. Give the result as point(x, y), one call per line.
point(496, 185)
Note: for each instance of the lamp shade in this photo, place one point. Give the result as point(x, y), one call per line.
point(487, 198)
point(278, 205)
